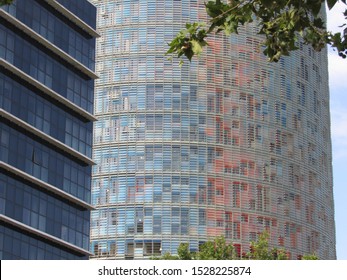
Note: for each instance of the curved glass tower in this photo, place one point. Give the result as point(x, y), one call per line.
point(226, 145)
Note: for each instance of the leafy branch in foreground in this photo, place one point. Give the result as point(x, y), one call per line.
point(281, 23)
point(5, 2)
point(189, 41)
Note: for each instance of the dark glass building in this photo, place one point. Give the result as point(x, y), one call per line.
point(46, 118)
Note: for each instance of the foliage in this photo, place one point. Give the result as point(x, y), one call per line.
point(5, 2)
point(166, 256)
point(281, 22)
point(310, 257)
point(189, 41)
point(260, 250)
point(184, 253)
point(217, 249)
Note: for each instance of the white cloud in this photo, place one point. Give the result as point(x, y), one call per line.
point(335, 17)
point(337, 65)
point(338, 89)
point(337, 72)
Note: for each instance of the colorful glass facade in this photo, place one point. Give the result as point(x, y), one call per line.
point(228, 144)
point(46, 122)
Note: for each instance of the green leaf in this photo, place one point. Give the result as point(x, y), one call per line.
point(318, 22)
point(314, 6)
point(214, 9)
point(196, 47)
point(331, 3)
point(267, 3)
point(5, 2)
point(281, 22)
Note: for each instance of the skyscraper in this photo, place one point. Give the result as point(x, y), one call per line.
point(47, 51)
point(228, 144)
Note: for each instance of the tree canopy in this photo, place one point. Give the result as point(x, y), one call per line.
point(5, 2)
point(281, 22)
point(219, 249)
point(260, 250)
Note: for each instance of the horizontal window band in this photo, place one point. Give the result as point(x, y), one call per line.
point(73, 18)
point(48, 187)
point(27, 127)
point(52, 239)
point(44, 42)
point(46, 90)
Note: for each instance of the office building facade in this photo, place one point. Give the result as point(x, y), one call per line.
point(228, 144)
point(47, 51)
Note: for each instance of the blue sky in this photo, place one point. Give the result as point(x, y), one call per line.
point(338, 110)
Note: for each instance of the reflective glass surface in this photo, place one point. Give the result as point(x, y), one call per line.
point(54, 27)
point(225, 145)
point(45, 162)
point(45, 67)
point(39, 209)
point(59, 209)
point(14, 245)
point(52, 118)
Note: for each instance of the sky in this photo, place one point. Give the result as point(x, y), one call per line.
point(338, 111)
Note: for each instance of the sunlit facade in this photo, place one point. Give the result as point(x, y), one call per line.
point(228, 144)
